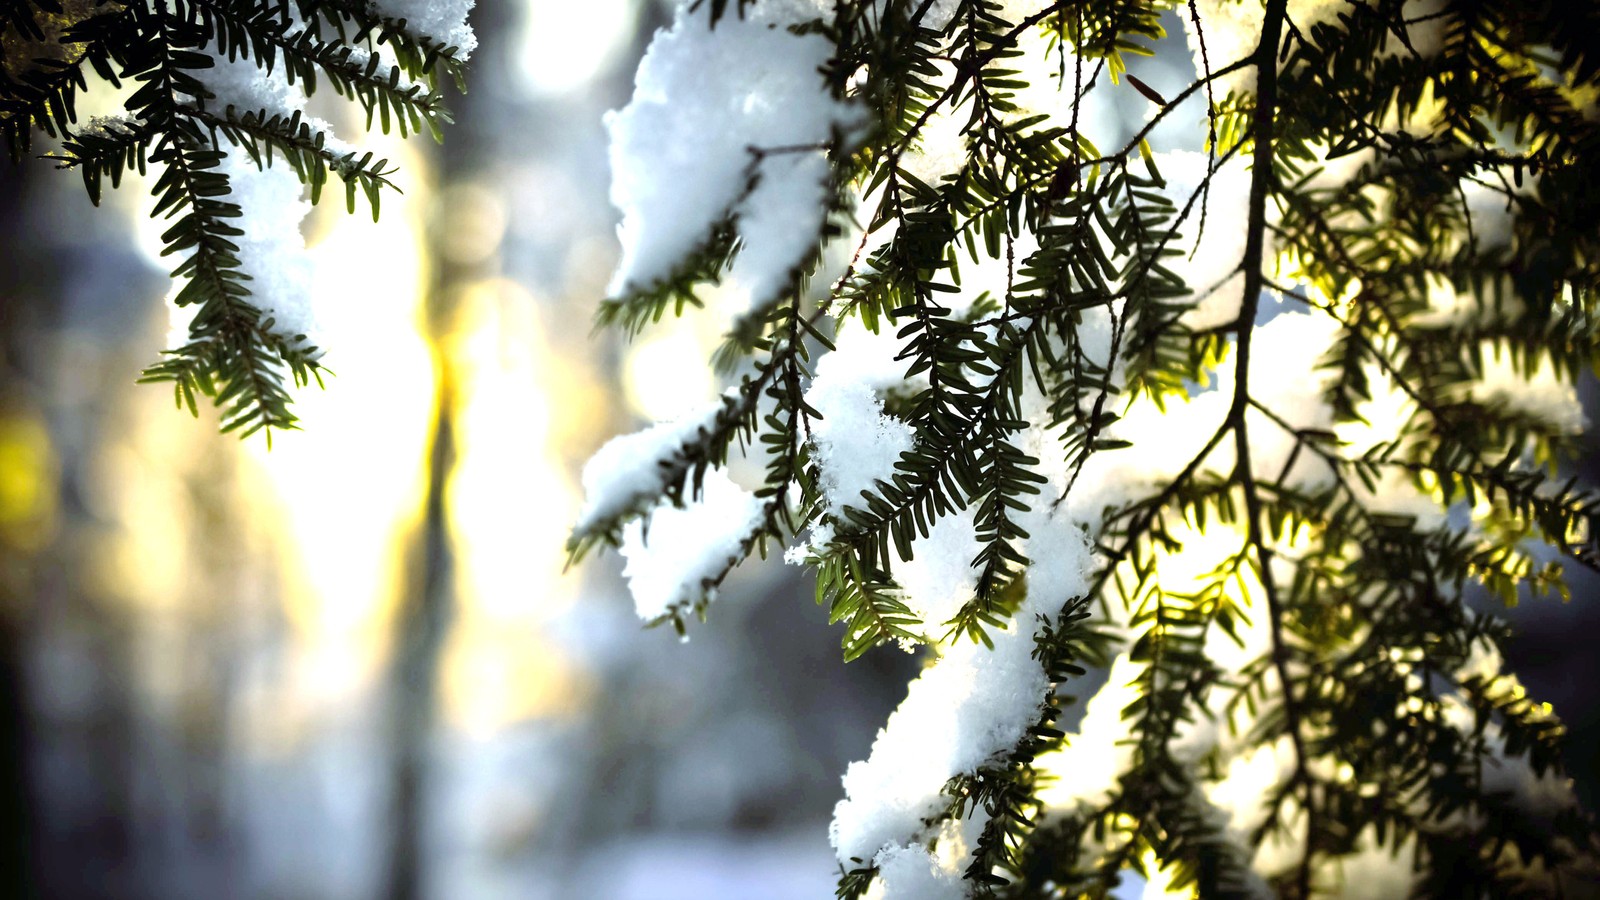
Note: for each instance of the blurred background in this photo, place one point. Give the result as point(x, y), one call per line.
point(352, 666)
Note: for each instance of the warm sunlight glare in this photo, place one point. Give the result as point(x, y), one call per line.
point(350, 483)
point(564, 45)
point(510, 503)
point(664, 377)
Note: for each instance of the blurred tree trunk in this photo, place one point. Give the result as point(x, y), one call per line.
point(69, 750)
point(16, 813)
point(427, 604)
point(19, 309)
point(421, 623)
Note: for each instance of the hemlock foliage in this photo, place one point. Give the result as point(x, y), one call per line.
point(1261, 528)
point(167, 51)
point(1300, 702)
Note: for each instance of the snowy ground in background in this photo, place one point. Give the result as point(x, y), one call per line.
point(793, 865)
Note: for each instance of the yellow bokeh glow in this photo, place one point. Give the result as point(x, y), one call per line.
point(349, 486)
point(510, 503)
point(562, 46)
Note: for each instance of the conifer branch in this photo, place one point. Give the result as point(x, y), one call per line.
point(1338, 598)
point(1261, 184)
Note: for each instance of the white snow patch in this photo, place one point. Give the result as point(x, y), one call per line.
point(272, 248)
point(627, 471)
point(1541, 393)
point(1373, 869)
point(674, 551)
point(1232, 31)
point(940, 578)
point(1285, 378)
point(1210, 256)
point(1084, 773)
point(681, 155)
point(965, 710)
point(856, 443)
point(912, 873)
point(968, 708)
point(445, 21)
point(779, 224)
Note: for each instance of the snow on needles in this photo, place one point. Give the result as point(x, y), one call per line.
point(778, 224)
point(711, 134)
point(673, 554)
point(272, 249)
point(707, 103)
point(912, 873)
point(445, 21)
point(271, 196)
point(966, 710)
point(670, 553)
point(627, 470)
point(1231, 29)
point(856, 443)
